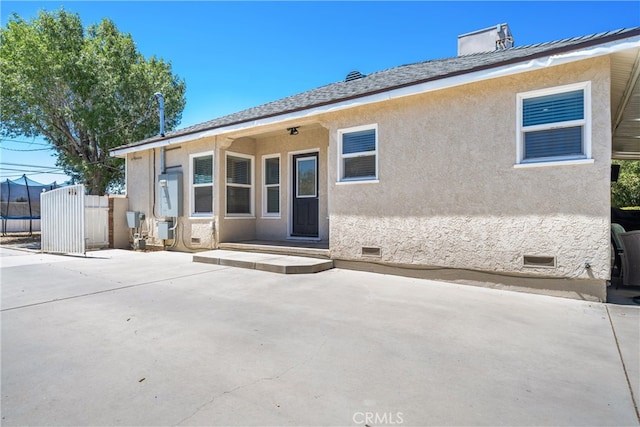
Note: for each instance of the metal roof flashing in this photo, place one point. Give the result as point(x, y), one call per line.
point(483, 30)
point(539, 58)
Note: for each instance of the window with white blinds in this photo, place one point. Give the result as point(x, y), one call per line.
point(358, 153)
point(554, 124)
point(239, 173)
point(201, 194)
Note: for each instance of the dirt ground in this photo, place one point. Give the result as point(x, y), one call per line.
point(19, 238)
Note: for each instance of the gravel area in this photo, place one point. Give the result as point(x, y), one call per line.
point(19, 238)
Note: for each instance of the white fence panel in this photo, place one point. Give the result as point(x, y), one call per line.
point(96, 221)
point(62, 220)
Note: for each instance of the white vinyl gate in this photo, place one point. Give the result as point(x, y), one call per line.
point(72, 222)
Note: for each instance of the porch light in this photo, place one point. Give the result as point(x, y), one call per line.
point(293, 131)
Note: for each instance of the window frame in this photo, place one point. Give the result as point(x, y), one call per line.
point(193, 186)
point(341, 157)
point(251, 213)
point(585, 123)
point(315, 178)
point(266, 186)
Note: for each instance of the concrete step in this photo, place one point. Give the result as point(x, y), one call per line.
point(279, 248)
point(275, 263)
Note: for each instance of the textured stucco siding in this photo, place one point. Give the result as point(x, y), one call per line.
point(120, 235)
point(488, 243)
point(309, 139)
point(196, 232)
point(139, 185)
point(143, 169)
point(448, 193)
point(235, 229)
point(260, 226)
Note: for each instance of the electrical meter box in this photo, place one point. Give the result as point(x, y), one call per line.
point(165, 230)
point(170, 195)
point(134, 218)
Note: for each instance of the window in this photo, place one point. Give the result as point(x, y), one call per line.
point(358, 153)
point(271, 186)
point(239, 185)
point(306, 177)
point(201, 184)
point(554, 125)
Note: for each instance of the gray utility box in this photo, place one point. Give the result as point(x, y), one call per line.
point(170, 195)
point(165, 231)
point(134, 218)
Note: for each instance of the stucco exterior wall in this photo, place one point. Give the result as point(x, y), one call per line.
point(261, 226)
point(309, 139)
point(143, 168)
point(120, 232)
point(205, 232)
point(448, 193)
point(236, 229)
point(139, 185)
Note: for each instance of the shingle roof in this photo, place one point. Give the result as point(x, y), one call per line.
point(397, 77)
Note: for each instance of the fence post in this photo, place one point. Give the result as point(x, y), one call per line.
point(26, 183)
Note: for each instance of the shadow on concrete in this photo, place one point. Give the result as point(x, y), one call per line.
point(619, 294)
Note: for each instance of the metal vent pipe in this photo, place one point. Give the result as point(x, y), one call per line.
point(161, 108)
point(160, 98)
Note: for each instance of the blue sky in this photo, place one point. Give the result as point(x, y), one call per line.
point(235, 55)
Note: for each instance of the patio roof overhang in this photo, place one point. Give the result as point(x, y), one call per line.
point(625, 105)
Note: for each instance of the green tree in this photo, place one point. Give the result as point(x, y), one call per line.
point(85, 91)
point(626, 192)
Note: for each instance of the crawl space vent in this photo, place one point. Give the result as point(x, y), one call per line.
point(195, 240)
point(370, 251)
point(539, 261)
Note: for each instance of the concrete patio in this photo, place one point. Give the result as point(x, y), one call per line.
point(141, 339)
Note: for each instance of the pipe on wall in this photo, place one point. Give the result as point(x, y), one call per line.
point(160, 99)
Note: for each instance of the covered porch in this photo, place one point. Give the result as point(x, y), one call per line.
point(274, 190)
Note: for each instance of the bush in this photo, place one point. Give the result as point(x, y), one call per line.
point(626, 192)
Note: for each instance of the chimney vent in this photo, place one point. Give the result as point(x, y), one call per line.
point(490, 39)
point(354, 75)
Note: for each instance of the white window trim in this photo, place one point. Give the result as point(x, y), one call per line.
point(266, 214)
point(341, 157)
point(251, 214)
point(192, 186)
point(315, 183)
point(554, 163)
point(585, 123)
